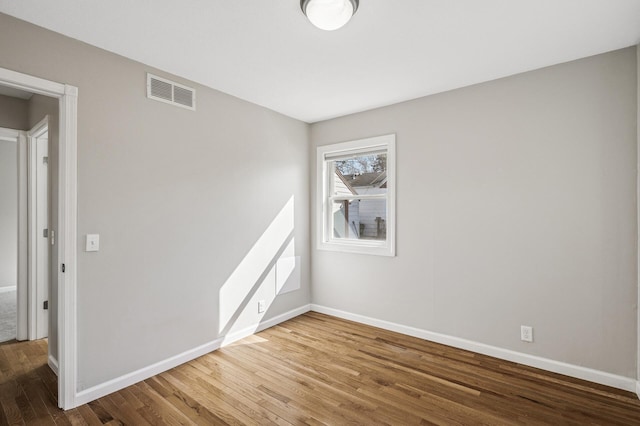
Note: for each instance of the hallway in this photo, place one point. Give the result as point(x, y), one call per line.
point(7, 315)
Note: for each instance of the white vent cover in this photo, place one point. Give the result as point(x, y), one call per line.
point(170, 92)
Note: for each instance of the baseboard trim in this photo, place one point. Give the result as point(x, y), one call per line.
point(114, 385)
point(53, 364)
point(572, 370)
point(129, 379)
point(248, 331)
point(638, 388)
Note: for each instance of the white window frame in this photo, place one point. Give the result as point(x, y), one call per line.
point(324, 234)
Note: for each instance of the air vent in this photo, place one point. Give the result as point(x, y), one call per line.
point(170, 92)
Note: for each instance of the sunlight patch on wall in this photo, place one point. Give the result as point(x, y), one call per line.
point(268, 269)
point(288, 270)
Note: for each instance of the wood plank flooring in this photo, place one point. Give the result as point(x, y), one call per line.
point(314, 370)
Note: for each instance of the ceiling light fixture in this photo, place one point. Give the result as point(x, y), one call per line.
point(329, 15)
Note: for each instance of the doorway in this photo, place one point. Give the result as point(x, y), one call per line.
point(26, 236)
point(9, 142)
point(24, 157)
point(63, 298)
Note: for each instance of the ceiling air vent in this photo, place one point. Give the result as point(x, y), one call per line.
point(170, 92)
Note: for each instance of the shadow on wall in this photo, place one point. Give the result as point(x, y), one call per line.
point(270, 268)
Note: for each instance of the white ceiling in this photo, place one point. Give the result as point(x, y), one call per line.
point(265, 51)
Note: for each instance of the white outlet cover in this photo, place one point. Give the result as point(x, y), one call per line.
point(526, 333)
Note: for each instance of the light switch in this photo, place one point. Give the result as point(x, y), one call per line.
point(93, 242)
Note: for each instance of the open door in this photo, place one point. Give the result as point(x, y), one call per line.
point(40, 233)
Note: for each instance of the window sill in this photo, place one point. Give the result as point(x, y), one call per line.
point(358, 248)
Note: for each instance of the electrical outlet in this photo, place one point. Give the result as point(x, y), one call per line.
point(526, 333)
point(261, 306)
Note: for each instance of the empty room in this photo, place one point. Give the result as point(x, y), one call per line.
point(319, 212)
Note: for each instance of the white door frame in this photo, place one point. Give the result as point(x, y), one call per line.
point(34, 307)
point(67, 223)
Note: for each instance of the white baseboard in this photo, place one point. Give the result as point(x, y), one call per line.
point(248, 331)
point(6, 289)
point(638, 388)
point(129, 379)
point(53, 364)
point(576, 371)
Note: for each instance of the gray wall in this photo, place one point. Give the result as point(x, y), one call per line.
point(39, 107)
point(13, 113)
point(516, 205)
point(8, 213)
point(178, 197)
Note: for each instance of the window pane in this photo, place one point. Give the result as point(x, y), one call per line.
point(360, 219)
point(363, 174)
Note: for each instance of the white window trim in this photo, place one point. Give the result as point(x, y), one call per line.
point(324, 242)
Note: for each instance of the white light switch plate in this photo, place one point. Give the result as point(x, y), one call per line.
point(93, 242)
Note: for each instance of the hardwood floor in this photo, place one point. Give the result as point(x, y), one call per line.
point(316, 369)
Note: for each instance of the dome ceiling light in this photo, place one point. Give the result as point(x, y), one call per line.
point(329, 15)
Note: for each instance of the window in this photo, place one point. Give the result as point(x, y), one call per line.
point(356, 196)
